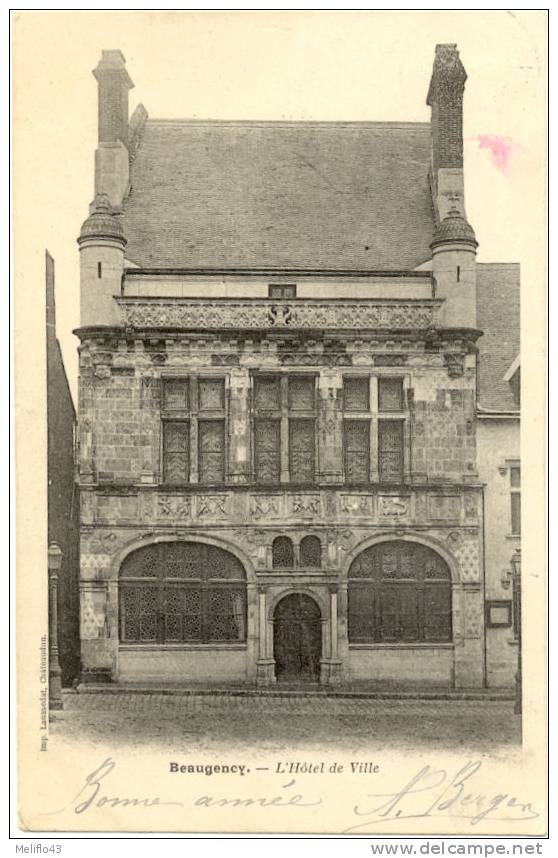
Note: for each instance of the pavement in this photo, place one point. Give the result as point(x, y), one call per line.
point(168, 718)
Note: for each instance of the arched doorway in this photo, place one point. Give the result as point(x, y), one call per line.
point(297, 639)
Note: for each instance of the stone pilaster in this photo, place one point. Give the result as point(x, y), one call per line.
point(239, 426)
point(330, 427)
point(265, 668)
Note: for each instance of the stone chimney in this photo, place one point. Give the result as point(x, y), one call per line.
point(445, 98)
point(454, 244)
point(114, 83)
point(112, 172)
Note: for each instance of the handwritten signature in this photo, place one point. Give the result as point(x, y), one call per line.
point(437, 792)
point(432, 792)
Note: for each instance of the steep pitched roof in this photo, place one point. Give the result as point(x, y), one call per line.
point(498, 318)
point(280, 194)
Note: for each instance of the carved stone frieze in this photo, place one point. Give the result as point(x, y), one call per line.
point(393, 507)
point(264, 506)
point(357, 504)
point(305, 504)
point(173, 507)
point(211, 506)
point(254, 314)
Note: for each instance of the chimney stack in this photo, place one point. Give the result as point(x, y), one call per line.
point(454, 244)
point(112, 172)
point(445, 97)
point(114, 83)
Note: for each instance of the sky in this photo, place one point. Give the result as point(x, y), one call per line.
point(372, 66)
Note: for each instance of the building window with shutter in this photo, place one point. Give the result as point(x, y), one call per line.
point(356, 429)
point(284, 428)
point(356, 441)
point(176, 451)
point(515, 499)
point(399, 592)
point(391, 429)
point(374, 416)
point(193, 430)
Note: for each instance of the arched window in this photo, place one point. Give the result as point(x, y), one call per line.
point(399, 592)
point(177, 592)
point(310, 551)
point(282, 553)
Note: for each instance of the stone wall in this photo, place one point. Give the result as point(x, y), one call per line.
point(120, 400)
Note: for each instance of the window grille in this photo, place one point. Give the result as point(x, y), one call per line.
point(356, 394)
point(284, 427)
point(282, 553)
point(390, 449)
point(310, 552)
point(356, 442)
point(187, 403)
point(399, 592)
point(176, 451)
point(390, 394)
point(182, 592)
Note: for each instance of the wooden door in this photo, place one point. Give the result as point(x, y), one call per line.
point(297, 638)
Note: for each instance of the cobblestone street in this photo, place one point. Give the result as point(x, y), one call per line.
point(213, 723)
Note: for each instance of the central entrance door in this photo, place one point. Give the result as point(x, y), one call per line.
point(297, 639)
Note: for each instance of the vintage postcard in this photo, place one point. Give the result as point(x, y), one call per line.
point(280, 307)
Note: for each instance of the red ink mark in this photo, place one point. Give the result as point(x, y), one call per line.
point(500, 150)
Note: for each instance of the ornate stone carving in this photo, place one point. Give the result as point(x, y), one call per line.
point(92, 613)
point(102, 371)
point(192, 313)
point(263, 506)
point(390, 360)
point(211, 506)
point(453, 540)
point(173, 507)
point(455, 364)
point(473, 614)
point(357, 504)
point(305, 504)
point(392, 506)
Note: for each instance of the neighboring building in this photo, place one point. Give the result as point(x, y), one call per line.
point(498, 456)
point(279, 445)
point(63, 505)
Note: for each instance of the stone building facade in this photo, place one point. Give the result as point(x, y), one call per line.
point(278, 406)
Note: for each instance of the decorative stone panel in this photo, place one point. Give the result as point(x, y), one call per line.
point(93, 565)
point(93, 613)
point(359, 505)
point(265, 506)
point(305, 505)
point(394, 507)
point(466, 551)
point(173, 508)
point(212, 506)
point(473, 614)
point(261, 314)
